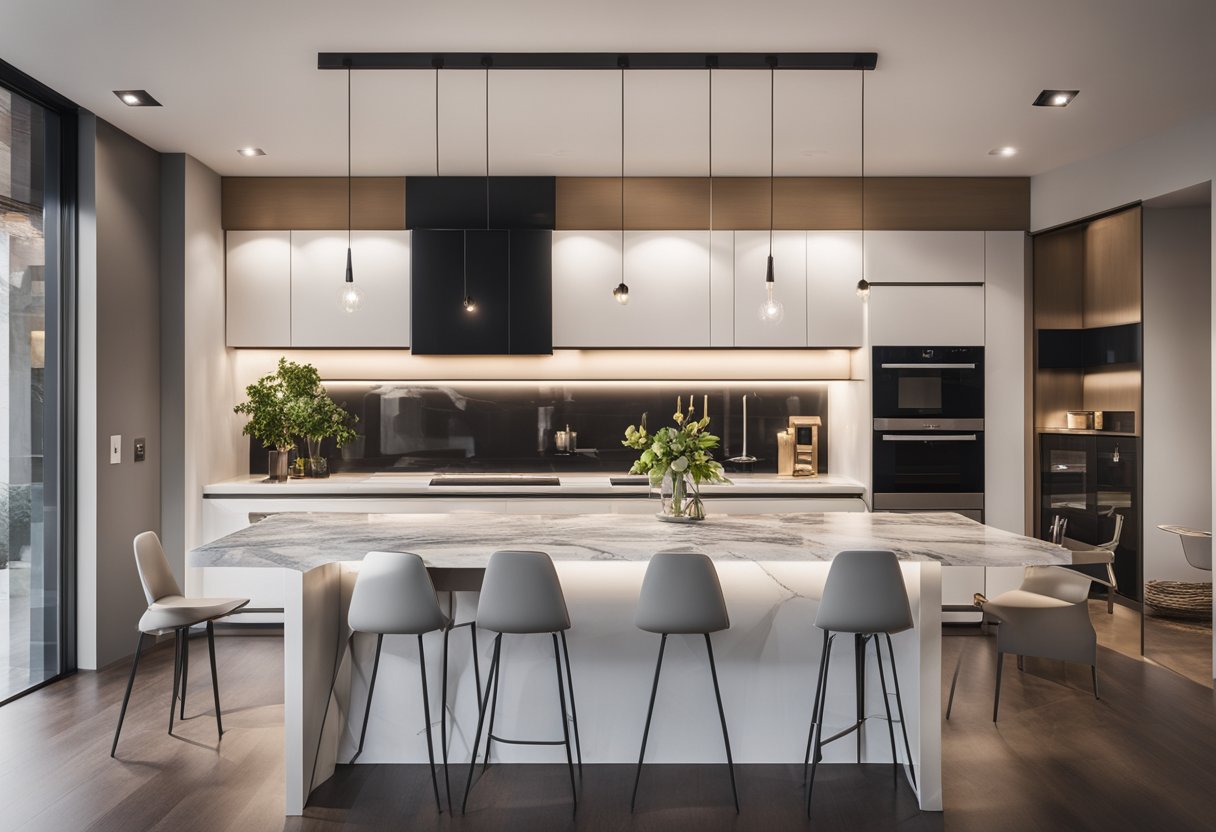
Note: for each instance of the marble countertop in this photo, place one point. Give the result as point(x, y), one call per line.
point(581, 484)
point(465, 540)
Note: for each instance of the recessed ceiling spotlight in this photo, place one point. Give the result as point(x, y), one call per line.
point(251, 151)
point(1003, 151)
point(136, 98)
point(1055, 98)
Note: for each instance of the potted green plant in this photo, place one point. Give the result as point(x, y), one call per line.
point(268, 406)
point(677, 460)
point(318, 417)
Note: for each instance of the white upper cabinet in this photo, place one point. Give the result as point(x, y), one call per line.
point(835, 315)
point(259, 288)
point(669, 289)
point(789, 288)
point(938, 316)
point(381, 265)
point(925, 256)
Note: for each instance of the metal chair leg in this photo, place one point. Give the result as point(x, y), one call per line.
point(810, 734)
point(126, 697)
point(817, 723)
point(443, 718)
point(886, 703)
point(561, 697)
point(899, 707)
point(481, 714)
point(371, 689)
point(654, 689)
point(476, 664)
point(215, 680)
point(426, 716)
point(1093, 670)
point(958, 665)
point(578, 744)
point(1021, 663)
point(730, 761)
point(996, 700)
point(185, 669)
point(177, 675)
point(492, 682)
point(859, 682)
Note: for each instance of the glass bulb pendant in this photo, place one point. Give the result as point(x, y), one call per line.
point(771, 310)
point(621, 293)
point(470, 304)
point(351, 295)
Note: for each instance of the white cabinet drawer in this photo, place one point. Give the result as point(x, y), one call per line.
point(925, 256)
point(258, 277)
point(942, 316)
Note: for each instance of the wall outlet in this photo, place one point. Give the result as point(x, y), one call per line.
point(116, 449)
point(141, 446)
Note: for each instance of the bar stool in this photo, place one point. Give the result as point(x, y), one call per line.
point(171, 612)
point(521, 595)
point(865, 596)
point(681, 595)
point(393, 595)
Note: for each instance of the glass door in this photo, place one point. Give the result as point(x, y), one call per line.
point(30, 566)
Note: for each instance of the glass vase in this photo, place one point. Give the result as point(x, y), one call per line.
point(680, 498)
point(316, 465)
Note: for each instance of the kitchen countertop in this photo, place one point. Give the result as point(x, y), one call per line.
point(305, 540)
point(571, 485)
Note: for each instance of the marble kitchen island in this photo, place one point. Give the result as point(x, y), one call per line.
point(772, 567)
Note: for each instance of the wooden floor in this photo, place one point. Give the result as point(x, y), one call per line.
point(1142, 758)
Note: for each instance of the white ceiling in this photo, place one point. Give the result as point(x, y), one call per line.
point(955, 79)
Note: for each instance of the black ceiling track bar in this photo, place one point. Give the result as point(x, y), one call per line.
point(598, 60)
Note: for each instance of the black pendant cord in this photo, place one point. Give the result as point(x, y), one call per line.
point(348, 169)
point(622, 175)
point(436, 121)
point(772, 145)
point(711, 155)
point(863, 175)
point(487, 145)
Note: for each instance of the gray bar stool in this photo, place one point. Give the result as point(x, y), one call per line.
point(681, 595)
point(521, 595)
point(865, 596)
point(393, 595)
point(171, 612)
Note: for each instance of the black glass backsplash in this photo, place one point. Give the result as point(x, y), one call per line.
point(503, 427)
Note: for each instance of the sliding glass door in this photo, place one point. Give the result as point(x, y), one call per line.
point(31, 573)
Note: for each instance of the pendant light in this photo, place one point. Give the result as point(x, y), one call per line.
point(351, 296)
point(771, 309)
point(621, 292)
point(863, 285)
point(470, 303)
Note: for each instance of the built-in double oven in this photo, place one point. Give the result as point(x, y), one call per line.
point(929, 429)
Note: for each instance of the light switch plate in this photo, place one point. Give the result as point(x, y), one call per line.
point(116, 449)
point(141, 449)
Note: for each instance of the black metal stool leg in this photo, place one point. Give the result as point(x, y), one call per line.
point(215, 680)
point(185, 668)
point(371, 688)
point(1093, 672)
point(126, 697)
point(958, 665)
point(426, 716)
point(492, 682)
point(899, 707)
point(476, 663)
point(578, 745)
point(561, 696)
point(996, 699)
point(177, 675)
point(730, 761)
point(886, 703)
point(654, 689)
point(481, 715)
point(443, 718)
point(810, 734)
point(859, 682)
point(817, 751)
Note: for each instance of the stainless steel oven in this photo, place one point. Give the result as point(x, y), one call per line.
point(928, 382)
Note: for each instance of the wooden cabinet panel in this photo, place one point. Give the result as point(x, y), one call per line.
point(259, 288)
point(258, 203)
point(789, 264)
point(381, 263)
point(909, 316)
point(1112, 270)
point(925, 256)
point(834, 312)
point(1059, 268)
point(669, 289)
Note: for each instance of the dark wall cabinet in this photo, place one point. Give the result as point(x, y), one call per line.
point(509, 275)
point(1088, 480)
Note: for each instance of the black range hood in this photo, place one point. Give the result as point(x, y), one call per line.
point(507, 265)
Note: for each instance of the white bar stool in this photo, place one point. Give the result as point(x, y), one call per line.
point(681, 595)
point(521, 594)
point(864, 595)
point(393, 595)
point(171, 612)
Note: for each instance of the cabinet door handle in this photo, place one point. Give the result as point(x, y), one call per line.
point(928, 437)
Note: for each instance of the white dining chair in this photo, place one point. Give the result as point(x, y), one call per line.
point(169, 611)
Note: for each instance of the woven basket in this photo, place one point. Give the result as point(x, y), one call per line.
point(1179, 599)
